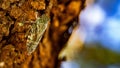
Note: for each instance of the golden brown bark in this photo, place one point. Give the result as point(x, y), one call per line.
point(13, 53)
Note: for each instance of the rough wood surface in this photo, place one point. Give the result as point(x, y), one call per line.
point(15, 19)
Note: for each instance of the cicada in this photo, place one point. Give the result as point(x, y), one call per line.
point(35, 33)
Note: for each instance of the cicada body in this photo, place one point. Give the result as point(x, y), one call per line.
point(35, 33)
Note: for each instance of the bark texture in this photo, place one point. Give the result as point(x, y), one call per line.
point(16, 17)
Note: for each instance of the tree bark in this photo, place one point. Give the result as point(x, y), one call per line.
point(15, 18)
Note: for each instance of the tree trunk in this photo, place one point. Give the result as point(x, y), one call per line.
point(15, 21)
